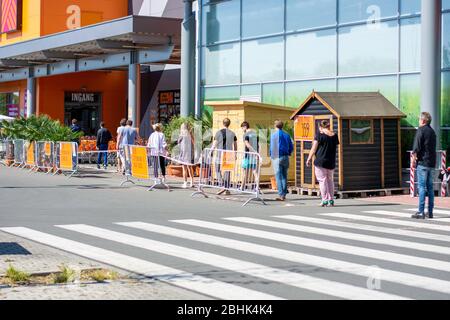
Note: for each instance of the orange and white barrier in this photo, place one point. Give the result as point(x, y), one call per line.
point(443, 168)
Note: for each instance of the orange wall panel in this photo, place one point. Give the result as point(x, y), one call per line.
point(63, 15)
point(31, 24)
point(112, 86)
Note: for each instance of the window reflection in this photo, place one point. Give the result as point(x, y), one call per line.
point(410, 35)
point(263, 60)
point(221, 64)
point(221, 21)
point(368, 49)
point(386, 85)
point(262, 17)
point(306, 14)
point(366, 10)
point(297, 92)
point(311, 54)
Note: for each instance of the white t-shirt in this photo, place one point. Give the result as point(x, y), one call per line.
point(157, 143)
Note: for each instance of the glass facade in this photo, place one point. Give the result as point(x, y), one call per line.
point(281, 50)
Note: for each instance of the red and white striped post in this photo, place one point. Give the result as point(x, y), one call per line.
point(412, 177)
point(443, 166)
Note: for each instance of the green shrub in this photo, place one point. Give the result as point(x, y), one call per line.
point(38, 128)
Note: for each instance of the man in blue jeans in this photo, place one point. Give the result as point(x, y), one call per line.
point(281, 148)
point(103, 139)
point(424, 155)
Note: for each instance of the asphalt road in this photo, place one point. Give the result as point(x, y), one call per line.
point(214, 247)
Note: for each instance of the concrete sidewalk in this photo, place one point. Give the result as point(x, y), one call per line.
point(442, 203)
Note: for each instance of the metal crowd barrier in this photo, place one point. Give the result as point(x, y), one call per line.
point(89, 159)
point(19, 153)
point(231, 171)
point(143, 163)
point(441, 160)
point(45, 155)
point(29, 154)
point(66, 158)
point(4, 152)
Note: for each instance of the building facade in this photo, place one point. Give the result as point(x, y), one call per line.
point(89, 96)
point(281, 50)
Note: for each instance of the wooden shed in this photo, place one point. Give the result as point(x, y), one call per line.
point(257, 114)
point(368, 125)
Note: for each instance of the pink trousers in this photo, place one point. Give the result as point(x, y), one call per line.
point(326, 182)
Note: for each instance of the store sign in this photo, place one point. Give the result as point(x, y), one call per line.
point(169, 105)
point(139, 163)
point(11, 16)
point(304, 128)
point(13, 110)
point(82, 97)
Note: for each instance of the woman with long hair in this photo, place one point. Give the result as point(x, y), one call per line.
point(324, 149)
point(186, 157)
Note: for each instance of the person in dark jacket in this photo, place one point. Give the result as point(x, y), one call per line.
point(424, 156)
point(75, 128)
point(103, 139)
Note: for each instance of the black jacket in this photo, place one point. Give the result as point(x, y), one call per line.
point(103, 136)
point(425, 147)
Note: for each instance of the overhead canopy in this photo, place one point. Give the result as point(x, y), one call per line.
point(354, 104)
point(128, 34)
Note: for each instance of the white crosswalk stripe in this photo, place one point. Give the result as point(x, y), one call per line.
point(403, 215)
point(339, 265)
point(365, 227)
point(345, 235)
point(332, 246)
point(327, 263)
point(439, 211)
point(327, 287)
point(176, 277)
point(397, 222)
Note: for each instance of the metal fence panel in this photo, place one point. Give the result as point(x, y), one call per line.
point(19, 152)
point(45, 155)
point(231, 171)
point(66, 157)
point(144, 163)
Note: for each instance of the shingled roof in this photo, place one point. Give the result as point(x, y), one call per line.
point(354, 104)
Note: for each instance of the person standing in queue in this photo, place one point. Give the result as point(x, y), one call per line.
point(158, 150)
point(224, 140)
point(121, 156)
point(186, 157)
point(103, 139)
point(75, 128)
point(281, 148)
point(424, 156)
point(324, 149)
point(250, 163)
point(127, 136)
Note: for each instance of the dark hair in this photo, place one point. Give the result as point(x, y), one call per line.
point(130, 122)
point(226, 122)
point(123, 122)
point(245, 124)
point(279, 124)
point(325, 124)
point(102, 124)
point(74, 121)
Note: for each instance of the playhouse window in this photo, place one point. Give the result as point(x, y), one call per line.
point(361, 131)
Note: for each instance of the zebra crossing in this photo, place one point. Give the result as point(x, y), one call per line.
point(330, 255)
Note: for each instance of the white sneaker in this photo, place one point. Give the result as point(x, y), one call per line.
point(191, 184)
point(185, 185)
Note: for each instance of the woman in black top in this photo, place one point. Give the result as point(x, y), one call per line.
point(324, 149)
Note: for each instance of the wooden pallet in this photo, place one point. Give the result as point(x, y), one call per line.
point(351, 194)
point(305, 192)
point(372, 193)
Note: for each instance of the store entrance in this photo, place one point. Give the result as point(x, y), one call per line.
point(86, 108)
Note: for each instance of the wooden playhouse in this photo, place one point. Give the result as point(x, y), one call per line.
point(258, 115)
point(369, 154)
